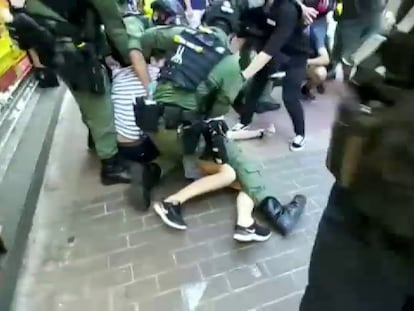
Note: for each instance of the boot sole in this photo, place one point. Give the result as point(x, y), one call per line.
point(250, 238)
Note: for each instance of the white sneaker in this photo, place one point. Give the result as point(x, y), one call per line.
point(239, 127)
point(297, 143)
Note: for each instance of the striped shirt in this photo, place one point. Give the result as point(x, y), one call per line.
point(125, 88)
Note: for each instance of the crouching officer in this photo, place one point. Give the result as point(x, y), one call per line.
point(65, 35)
point(200, 82)
point(363, 257)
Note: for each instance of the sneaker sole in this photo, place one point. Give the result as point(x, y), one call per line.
point(295, 149)
point(251, 237)
point(165, 220)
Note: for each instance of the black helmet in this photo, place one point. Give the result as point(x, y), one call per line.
point(222, 14)
point(167, 12)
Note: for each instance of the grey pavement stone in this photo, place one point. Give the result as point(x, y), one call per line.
point(215, 231)
point(246, 276)
point(179, 277)
point(148, 266)
point(257, 294)
point(218, 215)
point(135, 292)
point(290, 303)
point(300, 277)
point(287, 262)
point(129, 255)
point(111, 278)
point(171, 301)
point(130, 261)
point(193, 254)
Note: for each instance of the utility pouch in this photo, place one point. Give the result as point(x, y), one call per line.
point(79, 67)
point(190, 136)
point(95, 73)
point(147, 115)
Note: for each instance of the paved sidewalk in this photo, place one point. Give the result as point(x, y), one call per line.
point(99, 254)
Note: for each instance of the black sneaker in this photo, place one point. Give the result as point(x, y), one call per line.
point(297, 143)
point(170, 214)
point(255, 233)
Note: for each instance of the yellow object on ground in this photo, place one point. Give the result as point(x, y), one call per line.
point(10, 55)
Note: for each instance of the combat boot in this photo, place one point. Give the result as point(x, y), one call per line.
point(151, 176)
point(291, 214)
point(115, 171)
point(283, 217)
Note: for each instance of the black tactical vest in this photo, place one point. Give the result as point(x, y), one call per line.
point(196, 55)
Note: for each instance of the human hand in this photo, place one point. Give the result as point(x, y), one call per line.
point(189, 13)
point(308, 14)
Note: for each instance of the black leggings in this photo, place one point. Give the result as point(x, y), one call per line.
point(295, 74)
point(142, 151)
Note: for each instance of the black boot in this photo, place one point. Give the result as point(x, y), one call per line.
point(46, 77)
point(265, 106)
point(151, 176)
point(283, 218)
point(115, 171)
point(3, 249)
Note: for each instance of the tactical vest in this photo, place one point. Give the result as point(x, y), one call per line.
point(197, 53)
point(371, 151)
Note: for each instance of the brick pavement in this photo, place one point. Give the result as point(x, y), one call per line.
point(102, 255)
point(117, 259)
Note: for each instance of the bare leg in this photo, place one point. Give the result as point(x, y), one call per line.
point(247, 230)
point(223, 178)
point(245, 206)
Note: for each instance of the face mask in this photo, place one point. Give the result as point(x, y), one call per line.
point(17, 3)
point(255, 3)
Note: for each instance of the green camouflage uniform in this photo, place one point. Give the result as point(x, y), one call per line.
point(96, 109)
point(224, 79)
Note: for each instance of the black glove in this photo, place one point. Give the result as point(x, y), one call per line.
point(46, 77)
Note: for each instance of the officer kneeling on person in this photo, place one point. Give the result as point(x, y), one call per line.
point(199, 84)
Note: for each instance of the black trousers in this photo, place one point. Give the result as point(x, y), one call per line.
point(295, 70)
point(356, 269)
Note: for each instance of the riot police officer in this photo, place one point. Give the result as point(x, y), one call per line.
point(67, 37)
point(363, 257)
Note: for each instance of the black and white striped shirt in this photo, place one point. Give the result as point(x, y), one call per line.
point(125, 88)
